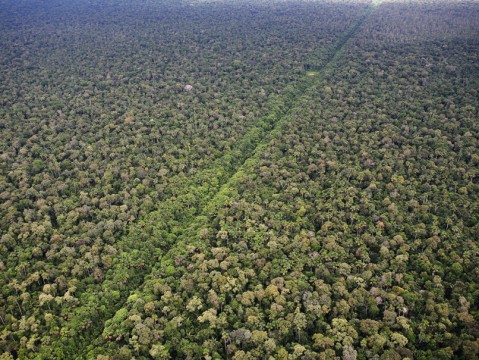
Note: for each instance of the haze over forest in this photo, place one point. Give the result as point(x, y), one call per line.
point(219, 179)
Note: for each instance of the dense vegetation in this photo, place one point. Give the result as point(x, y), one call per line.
point(288, 180)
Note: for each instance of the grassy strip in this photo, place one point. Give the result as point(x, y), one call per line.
point(160, 234)
point(187, 235)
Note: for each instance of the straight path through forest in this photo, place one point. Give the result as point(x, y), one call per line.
point(165, 230)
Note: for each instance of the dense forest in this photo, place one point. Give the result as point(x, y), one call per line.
point(239, 179)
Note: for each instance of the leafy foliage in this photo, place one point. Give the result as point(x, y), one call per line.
point(223, 181)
